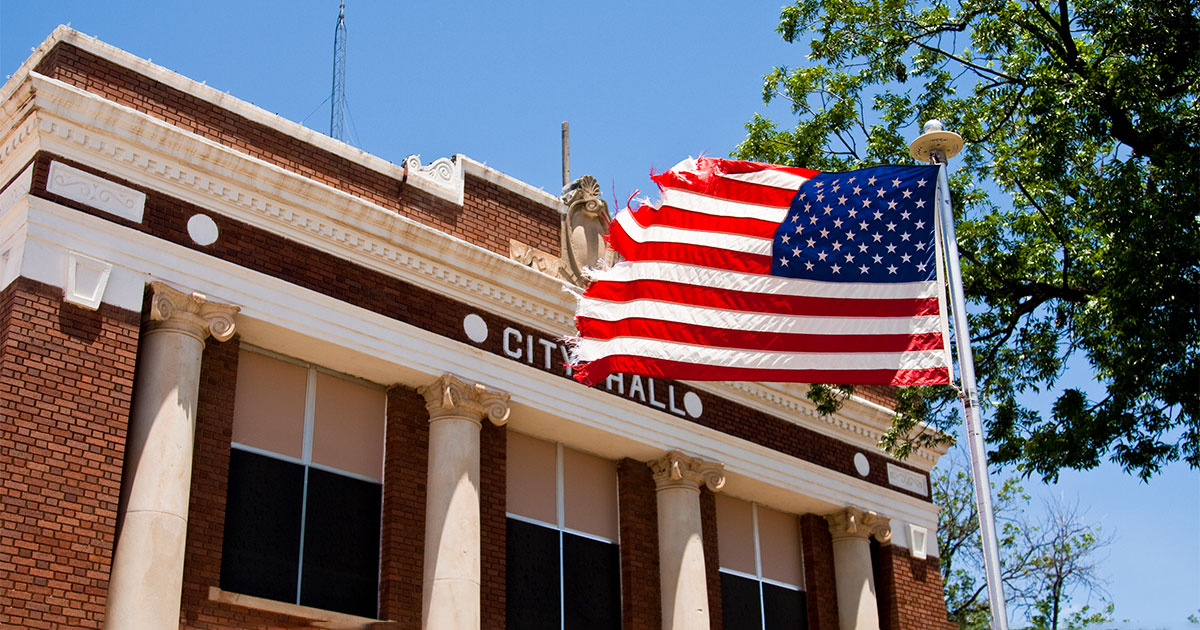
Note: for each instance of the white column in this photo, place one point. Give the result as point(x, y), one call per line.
point(147, 575)
point(680, 543)
point(451, 589)
point(852, 529)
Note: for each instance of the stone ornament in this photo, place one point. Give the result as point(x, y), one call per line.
point(676, 470)
point(190, 314)
point(855, 523)
point(584, 226)
point(452, 397)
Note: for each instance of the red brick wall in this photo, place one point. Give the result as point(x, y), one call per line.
point(641, 608)
point(909, 591)
point(712, 559)
point(402, 541)
point(66, 381)
point(820, 593)
point(489, 216)
point(493, 525)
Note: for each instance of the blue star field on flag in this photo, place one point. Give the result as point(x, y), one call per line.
point(870, 225)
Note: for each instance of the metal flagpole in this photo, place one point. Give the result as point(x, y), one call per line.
point(936, 146)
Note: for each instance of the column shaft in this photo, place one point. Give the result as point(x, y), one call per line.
point(146, 583)
point(854, 576)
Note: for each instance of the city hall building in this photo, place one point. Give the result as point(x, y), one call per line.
point(253, 377)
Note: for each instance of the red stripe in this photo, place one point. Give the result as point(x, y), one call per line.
point(598, 370)
point(681, 218)
point(700, 255)
point(747, 301)
point(727, 189)
point(710, 336)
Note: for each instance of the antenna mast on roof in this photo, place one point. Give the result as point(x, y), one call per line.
point(337, 99)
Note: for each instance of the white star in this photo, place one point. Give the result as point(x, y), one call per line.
point(879, 192)
point(837, 269)
point(920, 203)
point(813, 219)
point(862, 247)
point(921, 183)
point(877, 258)
point(904, 215)
point(906, 258)
point(879, 215)
point(891, 205)
point(821, 255)
point(818, 183)
point(853, 213)
point(799, 229)
point(849, 257)
point(808, 207)
point(836, 185)
point(820, 197)
point(907, 193)
point(921, 267)
point(850, 181)
point(863, 269)
point(824, 233)
point(866, 203)
point(837, 246)
point(920, 224)
point(920, 246)
point(812, 243)
point(849, 236)
point(842, 200)
point(808, 266)
point(891, 269)
point(862, 225)
point(858, 190)
point(904, 236)
point(895, 183)
point(828, 209)
point(877, 236)
point(785, 239)
point(837, 223)
point(871, 180)
point(783, 262)
point(891, 226)
point(891, 249)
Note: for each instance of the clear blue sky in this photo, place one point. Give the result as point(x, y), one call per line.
point(644, 84)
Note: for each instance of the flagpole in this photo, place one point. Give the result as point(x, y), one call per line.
point(936, 146)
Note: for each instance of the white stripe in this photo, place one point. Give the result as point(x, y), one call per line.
point(592, 349)
point(722, 207)
point(759, 283)
point(667, 234)
point(756, 322)
point(770, 177)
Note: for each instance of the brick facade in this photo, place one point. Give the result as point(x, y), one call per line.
point(66, 384)
point(638, 508)
point(406, 456)
point(910, 591)
point(493, 524)
point(712, 559)
point(816, 544)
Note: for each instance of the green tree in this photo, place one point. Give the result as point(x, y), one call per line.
point(1045, 563)
point(1076, 199)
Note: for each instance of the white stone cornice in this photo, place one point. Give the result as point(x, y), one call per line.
point(224, 100)
point(853, 522)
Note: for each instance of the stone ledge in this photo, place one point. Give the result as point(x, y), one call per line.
point(320, 618)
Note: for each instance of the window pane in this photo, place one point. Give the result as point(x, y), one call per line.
point(268, 411)
point(532, 557)
point(590, 494)
point(348, 426)
point(779, 543)
point(735, 535)
point(739, 603)
point(591, 584)
point(785, 609)
point(531, 487)
point(341, 544)
point(262, 526)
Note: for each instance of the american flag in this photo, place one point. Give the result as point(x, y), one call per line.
point(759, 272)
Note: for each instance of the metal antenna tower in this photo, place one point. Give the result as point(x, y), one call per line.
point(337, 98)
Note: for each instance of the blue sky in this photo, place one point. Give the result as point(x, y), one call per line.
point(643, 85)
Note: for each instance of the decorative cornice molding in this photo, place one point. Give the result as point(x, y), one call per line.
point(853, 522)
point(452, 397)
point(190, 314)
point(445, 174)
point(96, 192)
point(676, 470)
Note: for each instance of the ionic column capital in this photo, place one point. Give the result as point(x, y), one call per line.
point(452, 397)
point(676, 470)
point(190, 314)
point(855, 523)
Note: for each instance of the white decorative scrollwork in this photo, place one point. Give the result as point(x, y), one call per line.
point(190, 314)
point(912, 481)
point(96, 192)
point(675, 470)
point(443, 173)
point(452, 397)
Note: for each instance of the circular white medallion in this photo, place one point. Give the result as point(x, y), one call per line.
point(202, 229)
point(691, 403)
point(861, 464)
point(475, 328)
